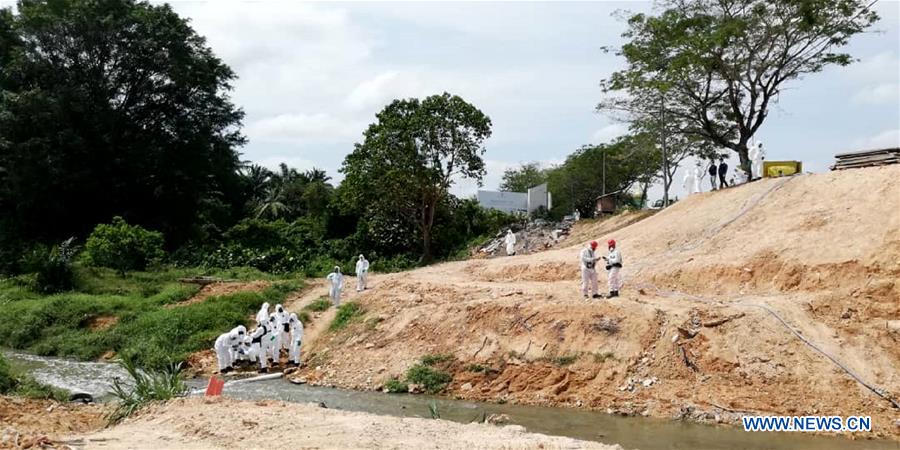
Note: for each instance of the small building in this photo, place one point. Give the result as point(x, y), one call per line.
point(517, 202)
point(607, 203)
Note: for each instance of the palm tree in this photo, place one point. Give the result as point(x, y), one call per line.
point(273, 205)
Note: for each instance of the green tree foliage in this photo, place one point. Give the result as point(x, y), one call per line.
point(123, 247)
point(716, 66)
point(605, 168)
point(402, 172)
point(520, 179)
point(112, 108)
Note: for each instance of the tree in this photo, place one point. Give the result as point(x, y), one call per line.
point(716, 66)
point(112, 108)
point(522, 178)
point(410, 157)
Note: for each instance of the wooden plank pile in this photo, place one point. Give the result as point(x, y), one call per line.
point(866, 158)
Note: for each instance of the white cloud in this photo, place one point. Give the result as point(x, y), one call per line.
point(608, 133)
point(373, 92)
point(304, 128)
point(878, 94)
point(885, 139)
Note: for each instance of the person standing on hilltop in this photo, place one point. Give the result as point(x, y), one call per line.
point(713, 170)
point(362, 272)
point(723, 170)
point(613, 265)
point(588, 270)
point(510, 243)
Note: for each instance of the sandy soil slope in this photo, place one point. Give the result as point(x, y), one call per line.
point(221, 423)
point(693, 334)
point(28, 423)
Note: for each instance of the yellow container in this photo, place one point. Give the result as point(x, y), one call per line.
point(774, 169)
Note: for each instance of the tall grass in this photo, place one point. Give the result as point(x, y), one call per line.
point(13, 382)
point(145, 387)
point(347, 313)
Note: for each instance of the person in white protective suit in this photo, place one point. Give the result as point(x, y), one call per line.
point(225, 346)
point(757, 161)
point(698, 175)
point(241, 332)
point(613, 266)
point(362, 273)
point(588, 270)
point(283, 337)
point(245, 351)
point(273, 352)
point(510, 241)
point(337, 283)
point(688, 183)
point(263, 314)
point(296, 339)
point(257, 340)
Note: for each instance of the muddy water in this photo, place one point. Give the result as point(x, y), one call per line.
point(629, 432)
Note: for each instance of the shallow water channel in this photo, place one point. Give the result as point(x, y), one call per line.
point(630, 432)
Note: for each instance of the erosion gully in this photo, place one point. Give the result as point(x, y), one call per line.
point(95, 378)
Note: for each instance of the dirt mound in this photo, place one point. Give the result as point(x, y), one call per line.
point(28, 423)
point(695, 328)
point(221, 423)
point(222, 288)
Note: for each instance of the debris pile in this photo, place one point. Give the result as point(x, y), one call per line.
point(866, 158)
point(538, 235)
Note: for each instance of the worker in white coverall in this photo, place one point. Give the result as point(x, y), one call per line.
point(337, 283)
point(225, 345)
point(688, 183)
point(698, 175)
point(263, 314)
point(271, 340)
point(613, 266)
point(245, 351)
point(296, 338)
point(758, 156)
point(588, 270)
point(283, 340)
point(362, 273)
point(259, 349)
point(510, 243)
point(241, 332)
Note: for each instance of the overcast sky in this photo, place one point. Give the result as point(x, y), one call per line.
point(313, 75)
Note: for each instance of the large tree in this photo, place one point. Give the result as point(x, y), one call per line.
point(109, 108)
point(520, 179)
point(409, 158)
point(715, 67)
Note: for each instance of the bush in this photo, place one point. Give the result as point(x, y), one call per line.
point(432, 380)
point(431, 360)
point(148, 386)
point(13, 383)
point(318, 305)
point(123, 247)
point(55, 272)
point(7, 380)
point(395, 386)
point(347, 313)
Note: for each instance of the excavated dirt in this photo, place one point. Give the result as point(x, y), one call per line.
point(28, 423)
point(690, 336)
point(222, 423)
point(222, 288)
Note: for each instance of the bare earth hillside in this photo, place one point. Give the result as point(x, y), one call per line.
point(698, 330)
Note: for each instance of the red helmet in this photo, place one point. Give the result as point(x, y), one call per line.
point(611, 243)
point(594, 244)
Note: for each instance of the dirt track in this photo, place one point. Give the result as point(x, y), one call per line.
point(822, 251)
point(222, 423)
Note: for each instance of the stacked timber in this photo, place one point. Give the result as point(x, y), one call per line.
point(866, 158)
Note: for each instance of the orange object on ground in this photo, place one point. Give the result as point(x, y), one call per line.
point(214, 387)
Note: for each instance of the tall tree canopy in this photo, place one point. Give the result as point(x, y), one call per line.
point(109, 108)
point(409, 158)
point(520, 179)
point(715, 67)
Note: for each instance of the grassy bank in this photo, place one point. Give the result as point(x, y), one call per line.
point(127, 315)
point(14, 382)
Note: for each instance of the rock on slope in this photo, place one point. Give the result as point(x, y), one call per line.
point(693, 334)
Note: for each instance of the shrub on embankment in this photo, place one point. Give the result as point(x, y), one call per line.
point(13, 382)
point(126, 315)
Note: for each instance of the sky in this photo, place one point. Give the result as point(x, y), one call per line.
point(312, 76)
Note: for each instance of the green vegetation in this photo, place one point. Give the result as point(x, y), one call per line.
point(19, 384)
point(603, 357)
point(433, 410)
point(395, 386)
point(123, 247)
point(431, 360)
point(432, 380)
point(146, 387)
point(318, 305)
point(347, 313)
point(477, 368)
point(144, 332)
point(564, 360)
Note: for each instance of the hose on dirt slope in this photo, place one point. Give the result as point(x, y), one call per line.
point(876, 390)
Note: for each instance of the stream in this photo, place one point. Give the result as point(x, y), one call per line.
point(95, 378)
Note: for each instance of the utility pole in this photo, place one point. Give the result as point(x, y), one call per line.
point(665, 155)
